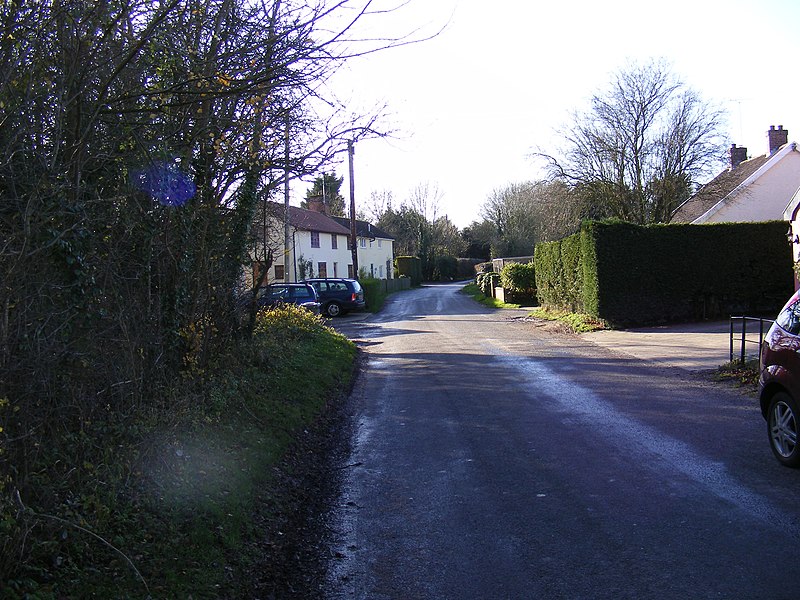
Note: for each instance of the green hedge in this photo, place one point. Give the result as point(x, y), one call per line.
point(409, 266)
point(628, 274)
point(559, 273)
point(520, 280)
point(446, 268)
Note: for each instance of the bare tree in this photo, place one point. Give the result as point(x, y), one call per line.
point(522, 214)
point(642, 146)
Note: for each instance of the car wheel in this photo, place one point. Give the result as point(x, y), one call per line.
point(782, 427)
point(333, 309)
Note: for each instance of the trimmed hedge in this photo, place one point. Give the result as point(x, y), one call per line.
point(409, 266)
point(628, 274)
point(446, 268)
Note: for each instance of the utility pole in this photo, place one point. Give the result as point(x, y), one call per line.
point(353, 241)
point(286, 237)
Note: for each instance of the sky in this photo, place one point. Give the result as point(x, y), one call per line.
point(469, 107)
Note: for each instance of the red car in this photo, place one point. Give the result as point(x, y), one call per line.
point(779, 383)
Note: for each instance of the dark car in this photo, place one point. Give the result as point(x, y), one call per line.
point(302, 294)
point(338, 296)
point(779, 383)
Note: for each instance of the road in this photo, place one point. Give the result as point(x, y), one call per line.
point(493, 459)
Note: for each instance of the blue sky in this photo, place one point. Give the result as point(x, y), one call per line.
point(470, 105)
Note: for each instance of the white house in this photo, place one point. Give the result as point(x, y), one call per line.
point(750, 190)
point(375, 249)
point(319, 245)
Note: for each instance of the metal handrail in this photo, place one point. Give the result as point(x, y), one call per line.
point(744, 339)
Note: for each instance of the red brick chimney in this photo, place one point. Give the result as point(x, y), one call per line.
point(738, 155)
point(317, 204)
point(777, 138)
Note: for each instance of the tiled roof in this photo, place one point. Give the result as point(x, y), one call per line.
point(715, 190)
point(309, 220)
point(364, 229)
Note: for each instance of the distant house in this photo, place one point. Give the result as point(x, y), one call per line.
point(375, 248)
point(750, 190)
point(319, 245)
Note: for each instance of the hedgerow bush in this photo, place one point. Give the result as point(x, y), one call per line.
point(520, 279)
point(159, 501)
point(486, 282)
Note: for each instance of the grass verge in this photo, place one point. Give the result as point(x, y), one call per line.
point(742, 374)
point(160, 505)
point(474, 291)
point(579, 323)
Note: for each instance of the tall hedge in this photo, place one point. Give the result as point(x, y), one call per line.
point(629, 274)
point(409, 266)
point(559, 273)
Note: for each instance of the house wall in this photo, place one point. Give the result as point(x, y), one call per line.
point(336, 260)
point(765, 199)
point(376, 257)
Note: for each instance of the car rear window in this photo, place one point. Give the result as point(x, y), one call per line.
point(789, 317)
point(302, 292)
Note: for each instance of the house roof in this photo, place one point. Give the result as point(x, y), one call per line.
point(719, 188)
point(364, 229)
point(309, 220)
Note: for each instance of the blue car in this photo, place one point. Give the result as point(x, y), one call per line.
point(302, 294)
point(338, 296)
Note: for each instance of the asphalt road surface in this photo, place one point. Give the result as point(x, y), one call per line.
point(496, 459)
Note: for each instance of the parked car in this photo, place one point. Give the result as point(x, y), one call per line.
point(338, 296)
point(779, 383)
point(302, 294)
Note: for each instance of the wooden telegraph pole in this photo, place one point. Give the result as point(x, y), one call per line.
point(353, 241)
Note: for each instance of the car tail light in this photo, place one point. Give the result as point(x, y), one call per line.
point(353, 298)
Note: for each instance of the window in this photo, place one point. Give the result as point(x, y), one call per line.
point(258, 271)
point(279, 273)
point(335, 269)
point(363, 242)
point(322, 270)
point(334, 241)
point(789, 319)
point(350, 271)
point(380, 271)
point(315, 239)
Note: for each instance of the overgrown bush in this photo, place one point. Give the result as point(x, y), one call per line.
point(486, 282)
point(123, 505)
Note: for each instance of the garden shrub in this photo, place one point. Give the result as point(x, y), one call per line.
point(520, 279)
point(487, 282)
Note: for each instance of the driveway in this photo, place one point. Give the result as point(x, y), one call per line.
point(493, 459)
point(692, 347)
